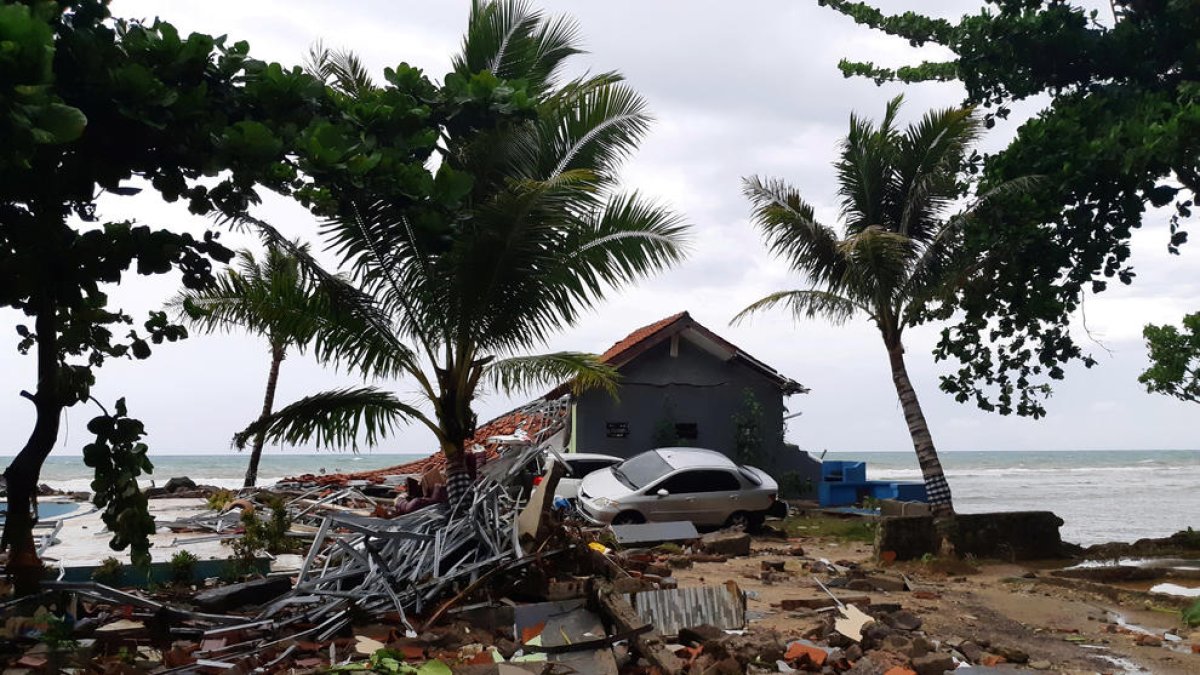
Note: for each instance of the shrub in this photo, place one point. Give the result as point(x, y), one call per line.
point(109, 572)
point(183, 567)
point(220, 499)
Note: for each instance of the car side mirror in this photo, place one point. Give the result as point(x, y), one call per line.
point(662, 492)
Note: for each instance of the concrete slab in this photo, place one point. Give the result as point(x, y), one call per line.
point(83, 539)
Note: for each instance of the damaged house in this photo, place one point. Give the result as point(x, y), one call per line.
point(684, 385)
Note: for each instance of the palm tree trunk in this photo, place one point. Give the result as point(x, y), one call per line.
point(21, 476)
point(278, 353)
point(458, 479)
point(936, 487)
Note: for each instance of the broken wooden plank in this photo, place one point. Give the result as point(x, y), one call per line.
point(649, 644)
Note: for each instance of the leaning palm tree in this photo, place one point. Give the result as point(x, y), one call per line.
point(899, 253)
point(257, 296)
point(538, 240)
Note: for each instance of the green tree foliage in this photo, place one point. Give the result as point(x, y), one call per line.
point(1174, 359)
point(455, 275)
point(88, 103)
point(118, 457)
point(900, 255)
point(1121, 133)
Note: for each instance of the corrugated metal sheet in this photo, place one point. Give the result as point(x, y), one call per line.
point(670, 610)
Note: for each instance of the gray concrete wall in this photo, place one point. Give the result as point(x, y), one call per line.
point(1015, 535)
point(692, 387)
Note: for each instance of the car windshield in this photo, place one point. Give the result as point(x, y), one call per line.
point(639, 471)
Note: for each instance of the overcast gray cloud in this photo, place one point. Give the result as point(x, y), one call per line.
point(737, 89)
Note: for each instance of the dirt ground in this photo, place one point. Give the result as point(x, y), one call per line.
point(1062, 630)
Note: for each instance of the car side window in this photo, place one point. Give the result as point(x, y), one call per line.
point(700, 480)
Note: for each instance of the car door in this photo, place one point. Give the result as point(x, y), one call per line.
point(721, 495)
point(703, 496)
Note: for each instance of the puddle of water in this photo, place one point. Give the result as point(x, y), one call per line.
point(1176, 589)
point(1126, 666)
point(1181, 564)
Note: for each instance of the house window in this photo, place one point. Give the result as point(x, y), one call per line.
point(616, 429)
point(687, 431)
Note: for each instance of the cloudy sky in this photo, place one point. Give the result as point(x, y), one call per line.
point(737, 89)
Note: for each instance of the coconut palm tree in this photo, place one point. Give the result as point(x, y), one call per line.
point(899, 254)
point(259, 296)
point(538, 240)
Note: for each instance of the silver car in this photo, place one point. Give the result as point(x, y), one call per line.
point(670, 484)
point(578, 465)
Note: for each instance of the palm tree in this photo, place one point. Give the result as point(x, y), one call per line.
point(898, 256)
point(539, 239)
point(259, 296)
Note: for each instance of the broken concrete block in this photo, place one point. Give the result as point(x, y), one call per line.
point(933, 664)
point(700, 634)
point(256, 592)
point(903, 620)
point(1011, 654)
point(726, 543)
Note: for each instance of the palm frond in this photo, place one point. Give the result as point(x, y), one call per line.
point(340, 69)
point(513, 41)
point(929, 157)
point(334, 419)
point(791, 230)
point(347, 326)
point(594, 128)
point(805, 304)
point(523, 373)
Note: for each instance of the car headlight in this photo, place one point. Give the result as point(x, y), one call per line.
point(605, 502)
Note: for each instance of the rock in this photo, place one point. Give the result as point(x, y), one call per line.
point(225, 598)
point(1040, 665)
point(877, 663)
point(700, 634)
point(920, 647)
point(819, 601)
point(726, 543)
point(933, 664)
point(1011, 654)
point(726, 666)
point(972, 651)
point(859, 585)
point(179, 483)
point(873, 635)
point(1148, 640)
point(903, 620)
point(897, 643)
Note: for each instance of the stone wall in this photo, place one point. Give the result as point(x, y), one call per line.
point(1017, 535)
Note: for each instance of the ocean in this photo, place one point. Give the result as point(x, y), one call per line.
point(1115, 495)
point(1101, 495)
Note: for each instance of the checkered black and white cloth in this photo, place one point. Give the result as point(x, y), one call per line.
point(938, 490)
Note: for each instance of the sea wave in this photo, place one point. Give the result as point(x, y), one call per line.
point(1145, 471)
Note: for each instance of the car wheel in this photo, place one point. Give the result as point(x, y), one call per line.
point(628, 518)
point(747, 522)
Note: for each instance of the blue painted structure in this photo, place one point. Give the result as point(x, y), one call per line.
point(846, 484)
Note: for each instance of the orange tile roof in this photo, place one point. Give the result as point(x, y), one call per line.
point(633, 339)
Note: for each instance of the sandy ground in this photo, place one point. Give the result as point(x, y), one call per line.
point(1065, 627)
